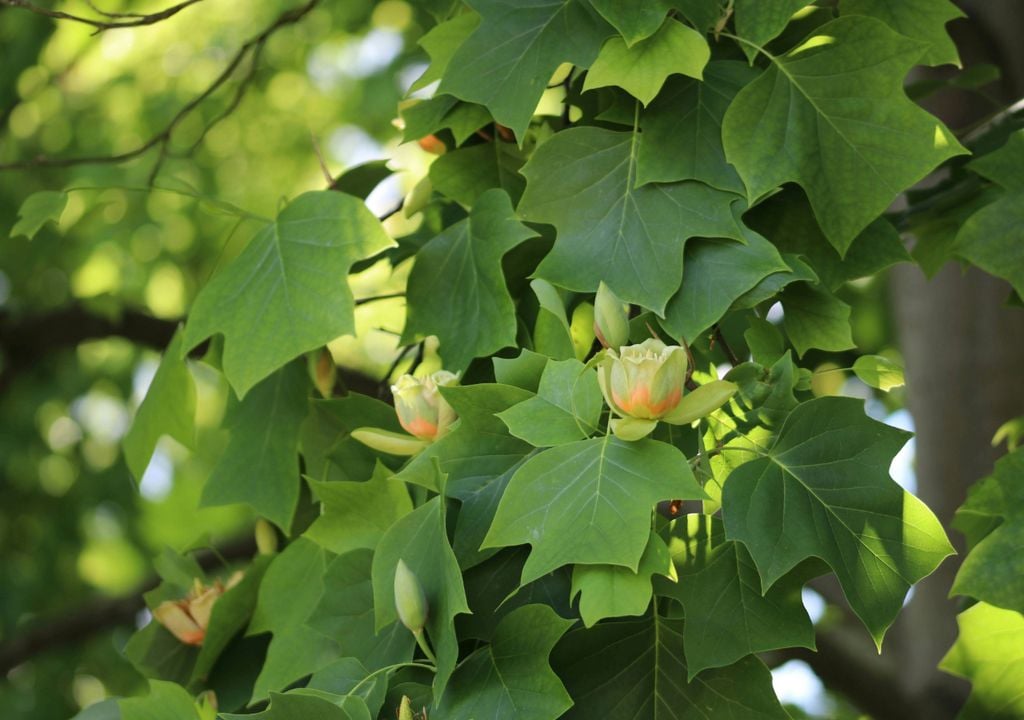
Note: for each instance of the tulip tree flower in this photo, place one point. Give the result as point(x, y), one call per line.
point(422, 411)
point(188, 618)
point(645, 383)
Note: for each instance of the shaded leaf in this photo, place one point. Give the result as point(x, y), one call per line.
point(816, 318)
point(923, 20)
point(567, 406)
point(607, 591)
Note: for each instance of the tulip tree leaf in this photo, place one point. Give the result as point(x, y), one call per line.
point(589, 502)
point(993, 570)
point(328, 449)
point(727, 617)
point(165, 701)
point(823, 489)
point(634, 20)
point(457, 290)
point(1005, 165)
point(288, 595)
point(440, 44)
point(466, 174)
point(989, 653)
point(286, 293)
point(642, 69)
point(357, 514)
point(832, 116)
point(308, 705)
point(682, 129)
point(264, 474)
point(635, 669)
point(345, 614)
point(510, 677)
point(37, 210)
point(505, 64)
point(923, 20)
point(816, 318)
point(567, 406)
point(760, 21)
point(426, 117)
point(582, 182)
point(611, 591)
point(420, 540)
point(478, 447)
point(992, 239)
point(169, 408)
point(715, 274)
point(879, 372)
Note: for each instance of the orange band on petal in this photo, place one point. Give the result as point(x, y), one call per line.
point(423, 429)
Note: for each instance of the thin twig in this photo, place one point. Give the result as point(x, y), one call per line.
point(719, 336)
point(254, 45)
point(114, 21)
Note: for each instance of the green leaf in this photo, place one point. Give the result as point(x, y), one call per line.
point(290, 591)
point(464, 175)
point(992, 239)
point(682, 129)
point(304, 704)
point(879, 372)
point(479, 496)
point(286, 293)
point(457, 290)
point(589, 502)
point(771, 285)
point(715, 274)
point(420, 540)
point(479, 446)
point(348, 676)
point(165, 701)
point(831, 115)
point(425, 117)
point(923, 20)
point(552, 335)
point(634, 20)
point(230, 614)
point(815, 318)
point(328, 449)
point(567, 406)
point(1004, 166)
point(169, 408)
point(510, 677)
point(357, 514)
point(345, 614)
point(789, 221)
point(727, 616)
point(506, 63)
point(760, 21)
point(993, 570)
point(635, 669)
point(260, 466)
point(360, 180)
point(440, 44)
point(989, 653)
point(703, 14)
point(608, 591)
point(823, 489)
point(765, 342)
point(524, 371)
point(37, 210)
point(642, 69)
point(155, 653)
point(582, 182)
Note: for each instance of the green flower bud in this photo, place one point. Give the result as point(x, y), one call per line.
point(322, 371)
point(266, 537)
point(644, 381)
point(410, 601)
point(405, 709)
point(611, 318)
point(581, 329)
point(421, 409)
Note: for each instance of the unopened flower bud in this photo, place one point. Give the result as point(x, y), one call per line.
point(388, 442)
point(405, 709)
point(422, 410)
point(644, 381)
point(322, 371)
point(581, 329)
point(611, 318)
point(266, 537)
point(410, 601)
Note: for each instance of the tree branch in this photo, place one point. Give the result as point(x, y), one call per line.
point(114, 21)
point(84, 621)
point(162, 139)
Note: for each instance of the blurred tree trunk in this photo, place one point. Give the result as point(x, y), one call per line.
point(964, 351)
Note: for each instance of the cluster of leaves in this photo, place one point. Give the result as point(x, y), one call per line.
point(708, 162)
